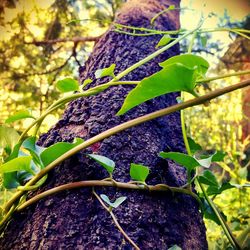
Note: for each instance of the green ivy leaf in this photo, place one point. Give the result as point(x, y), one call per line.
point(106, 71)
point(67, 85)
point(115, 204)
point(86, 82)
point(54, 151)
point(194, 147)
point(10, 180)
point(209, 179)
point(108, 164)
point(190, 61)
point(8, 138)
point(23, 114)
point(203, 41)
point(174, 247)
point(218, 156)
point(185, 160)
point(164, 41)
point(173, 78)
point(171, 7)
point(208, 212)
point(17, 164)
point(35, 150)
point(139, 172)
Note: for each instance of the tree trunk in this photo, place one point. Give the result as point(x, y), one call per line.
point(75, 219)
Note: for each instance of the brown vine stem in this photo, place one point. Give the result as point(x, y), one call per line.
point(124, 126)
point(105, 183)
point(116, 222)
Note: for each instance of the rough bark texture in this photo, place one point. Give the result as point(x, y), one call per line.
point(75, 219)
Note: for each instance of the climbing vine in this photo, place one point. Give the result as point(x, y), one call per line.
point(26, 165)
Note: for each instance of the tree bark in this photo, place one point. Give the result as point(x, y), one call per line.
point(75, 219)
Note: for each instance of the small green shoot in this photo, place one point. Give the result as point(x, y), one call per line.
point(115, 204)
point(108, 164)
point(139, 172)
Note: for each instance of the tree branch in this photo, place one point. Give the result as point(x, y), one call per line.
point(64, 40)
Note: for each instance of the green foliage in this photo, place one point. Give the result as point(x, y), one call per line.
point(17, 164)
point(8, 138)
point(19, 116)
point(114, 204)
point(179, 73)
point(174, 247)
point(139, 172)
point(106, 72)
point(164, 41)
point(67, 85)
point(56, 150)
point(108, 164)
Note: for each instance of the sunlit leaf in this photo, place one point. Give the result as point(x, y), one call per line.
point(108, 164)
point(17, 164)
point(203, 41)
point(172, 78)
point(106, 71)
point(8, 137)
point(164, 41)
point(139, 172)
point(115, 204)
point(86, 82)
point(35, 150)
point(190, 61)
point(67, 85)
point(185, 160)
point(194, 147)
point(19, 116)
point(54, 151)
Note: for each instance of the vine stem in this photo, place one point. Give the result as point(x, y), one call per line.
point(105, 183)
point(66, 99)
point(124, 126)
point(116, 221)
point(223, 224)
point(156, 53)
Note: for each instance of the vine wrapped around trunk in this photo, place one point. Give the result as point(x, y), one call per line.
point(75, 219)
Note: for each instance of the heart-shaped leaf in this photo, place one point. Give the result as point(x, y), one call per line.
point(67, 85)
point(194, 147)
point(108, 164)
point(86, 82)
point(185, 160)
point(209, 179)
point(23, 114)
point(139, 172)
point(8, 137)
point(173, 78)
point(35, 150)
point(54, 151)
point(106, 71)
point(189, 61)
point(164, 41)
point(17, 164)
point(115, 204)
point(174, 247)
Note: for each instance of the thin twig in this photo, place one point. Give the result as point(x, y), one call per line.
point(116, 222)
point(63, 40)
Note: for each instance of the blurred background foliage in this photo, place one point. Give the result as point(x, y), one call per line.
point(40, 44)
